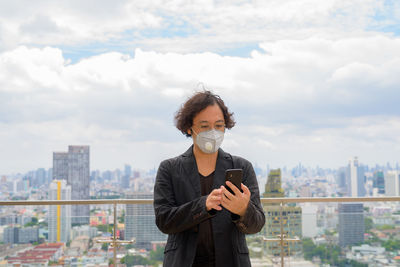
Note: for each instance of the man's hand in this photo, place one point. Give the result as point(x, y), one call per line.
point(238, 202)
point(214, 200)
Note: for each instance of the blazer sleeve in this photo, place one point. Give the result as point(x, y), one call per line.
point(172, 218)
point(254, 219)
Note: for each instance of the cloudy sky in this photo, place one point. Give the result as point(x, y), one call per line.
point(309, 81)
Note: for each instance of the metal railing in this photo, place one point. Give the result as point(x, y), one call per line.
point(264, 201)
point(150, 201)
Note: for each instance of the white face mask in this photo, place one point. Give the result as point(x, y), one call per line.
point(209, 141)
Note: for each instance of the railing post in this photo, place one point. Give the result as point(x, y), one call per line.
point(115, 234)
point(115, 243)
point(281, 224)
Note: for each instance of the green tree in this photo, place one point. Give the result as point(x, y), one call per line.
point(121, 219)
point(157, 255)
point(43, 224)
point(131, 260)
point(391, 245)
point(32, 223)
point(308, 248)
point(368, 224)
point(386, 227)
point(104, 246)
point(327, 253)
point(105, 228)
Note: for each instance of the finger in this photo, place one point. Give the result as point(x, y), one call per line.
point(225, 198)
point(218, 207)
point(226, 204)
point(216, 192)
point(216, 198)
point(233, 188)
point(227, 194)
point(246, 190)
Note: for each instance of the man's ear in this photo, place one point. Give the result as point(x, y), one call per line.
point(189, 131)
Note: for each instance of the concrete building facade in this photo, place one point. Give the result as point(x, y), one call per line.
point(59, 217)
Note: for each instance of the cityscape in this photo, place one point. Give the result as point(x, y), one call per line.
point(90, 90)
point(322, 234)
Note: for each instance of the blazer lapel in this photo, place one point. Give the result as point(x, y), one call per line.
point(191, 171)
point(224, 162)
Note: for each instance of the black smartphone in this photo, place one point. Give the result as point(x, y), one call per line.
point(235, 177)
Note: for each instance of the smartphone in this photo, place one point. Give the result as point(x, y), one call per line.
point(235, 177)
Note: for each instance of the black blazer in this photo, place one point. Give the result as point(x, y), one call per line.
point(179, 208)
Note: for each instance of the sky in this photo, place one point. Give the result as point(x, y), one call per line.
point(310, 81)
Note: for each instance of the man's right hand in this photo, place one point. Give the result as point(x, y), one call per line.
point(214, 200)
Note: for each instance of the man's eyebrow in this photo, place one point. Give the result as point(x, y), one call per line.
point(208, 121)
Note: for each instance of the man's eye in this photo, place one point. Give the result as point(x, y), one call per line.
point(204, 126)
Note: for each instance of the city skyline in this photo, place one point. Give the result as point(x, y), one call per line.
point(309, 81)
point(394, 165)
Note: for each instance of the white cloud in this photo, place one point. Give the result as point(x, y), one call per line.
point(319, 89)
point(183, 26)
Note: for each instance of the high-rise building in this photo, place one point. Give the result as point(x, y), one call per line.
point(379, 182)
point(20, 235)
point(79, 179)
point(351, 223)
point(309, 220)
point(40, 177)
point(126, 177)
point(355, 174)
point(59, 217)
point(287, 218)
point(125, 182)
point(128, 170)
point(140, 222)
point(273, 187)
point(392, 183)
point(341, 179)
point(60, 166)
point(74, 167)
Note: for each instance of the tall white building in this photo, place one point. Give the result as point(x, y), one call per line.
point(309, 220)
point(355, 178)
point(59, 217)
point(392, 183)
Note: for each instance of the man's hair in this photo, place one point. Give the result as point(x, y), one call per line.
point(194, 105)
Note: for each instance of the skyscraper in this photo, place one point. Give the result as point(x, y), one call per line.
point(127, 170)
point(59, 217)
point(126, 177)
point(276, 217)
point(74, 167)
point(379, 182)
point(341, 179)
point(40, 177)
point(140, 222)
point(60, 166)
point(351, 223)
point(392, 183)
point(355, 178)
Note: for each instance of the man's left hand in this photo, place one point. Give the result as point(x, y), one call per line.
point(236, 203)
